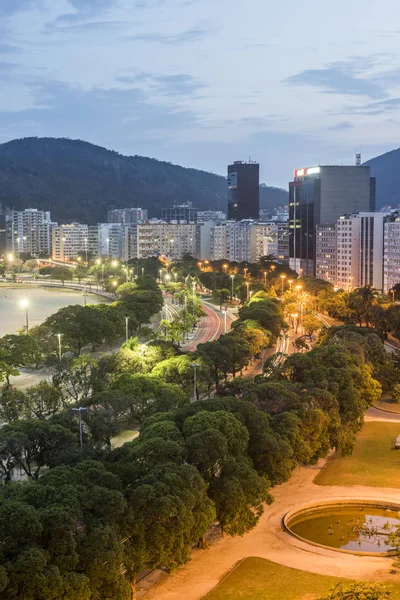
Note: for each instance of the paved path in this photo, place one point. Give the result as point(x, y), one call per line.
point(269, 541)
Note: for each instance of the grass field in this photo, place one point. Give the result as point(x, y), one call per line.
point(259, 579)
point(373, 463)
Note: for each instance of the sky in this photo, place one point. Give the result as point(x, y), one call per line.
point(202, 83)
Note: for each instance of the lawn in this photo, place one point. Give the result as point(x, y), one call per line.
point(259, 579)
point(373, 463)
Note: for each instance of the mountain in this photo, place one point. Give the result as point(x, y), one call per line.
point(386, 169)
point(78, 181)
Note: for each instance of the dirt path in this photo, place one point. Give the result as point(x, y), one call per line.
point(269, 541)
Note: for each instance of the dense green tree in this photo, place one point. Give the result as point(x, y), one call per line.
point(32, 444)
point(361, 590)
point(17, 351)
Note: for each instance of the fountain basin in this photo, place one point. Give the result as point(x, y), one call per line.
point(354, 526)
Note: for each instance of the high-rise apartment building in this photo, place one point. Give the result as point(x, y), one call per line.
point(68, 241)
point(283, 242)
point(205, 216)
point(319, 196)
point(264, 240)
point(29, 232)
point(326, 252)
point(391, 254)
point(158, 238)
point(180, 213)
point(243, 191)
point(127, 216)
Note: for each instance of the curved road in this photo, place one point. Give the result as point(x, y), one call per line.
point(210, 328)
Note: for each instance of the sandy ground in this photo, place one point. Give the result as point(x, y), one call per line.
point(269, 541)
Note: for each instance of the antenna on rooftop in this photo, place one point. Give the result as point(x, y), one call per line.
point(358, 158)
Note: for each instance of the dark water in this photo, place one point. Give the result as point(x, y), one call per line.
point(363, 529)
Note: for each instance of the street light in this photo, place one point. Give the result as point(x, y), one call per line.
point(264, 337)
point(290, 281)
point(294, 316)
point(24, 304)
point(59, 346)
point(160, 271)
point(248, 285)
point(85, 240)
point(392, 292)
point(126, 328)
point(265, 278)
point(108, 247)
point(224, 311)
point(80, 409)
point(283, 277)
point(225, 267)
point(232, 278)
point(195, 366)
point(114, 263)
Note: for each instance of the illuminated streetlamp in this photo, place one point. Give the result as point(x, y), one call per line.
point(232, 278)
point(392, 292)
point(24, 304)
point(160, 271)
point(225, 267)
point(79, 410)
point(248, 285)
point(265, 278)
point(59, 346)
point(283, 277)
point(290, 281)
point(85, 240)
point(224, 311)
point(126, 328)
point(114, 263)
point(195, 367)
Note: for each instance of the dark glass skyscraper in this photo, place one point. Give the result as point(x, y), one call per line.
point(243, 190)
point(319, 196)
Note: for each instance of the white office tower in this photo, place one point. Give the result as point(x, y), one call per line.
point(127, 216)
point(29, 231)
point(68, 241)
point(158, 238)
point(360, 239)
point(391, 254)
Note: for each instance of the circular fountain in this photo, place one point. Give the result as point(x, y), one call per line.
point(355, 526)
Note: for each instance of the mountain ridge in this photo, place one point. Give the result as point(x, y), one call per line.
point(80, 181)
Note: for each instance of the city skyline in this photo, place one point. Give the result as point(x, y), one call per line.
point(201, 84)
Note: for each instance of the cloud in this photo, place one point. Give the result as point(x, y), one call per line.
point(348, 77)
point(8, 49)
point(337, 81)
point(7, 7)
point(190, 35)
point(372, 108)
point(343, 125)
point(127, 117)
point(167, 85)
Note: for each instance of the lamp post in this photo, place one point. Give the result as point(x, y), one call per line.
point(108, 247)
point(224, 311)
point(247, 285)
point(160, 271)
point(126, 328)
point(59, 346)
point(195, 366)
point(265, 278)
point(283, 277)
point(24, 304)
point(290, 281)
point(85, 240)
point(225, 267)
point(263, 337)
point(392, 292)
point(232, 278)
point(176, 276)
point(79, 410)
point(84, 295)
point(294, 316)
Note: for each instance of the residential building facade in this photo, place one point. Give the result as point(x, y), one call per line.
point(68, 241)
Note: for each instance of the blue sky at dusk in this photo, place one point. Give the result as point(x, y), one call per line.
point(201, 83)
